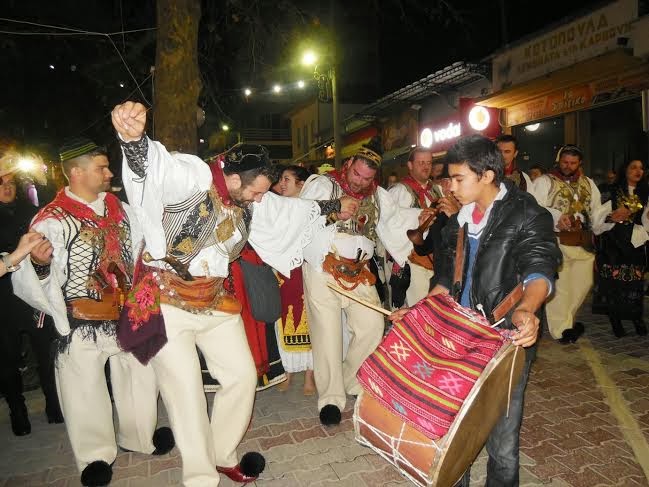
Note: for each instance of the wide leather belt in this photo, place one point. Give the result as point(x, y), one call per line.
point(348, 273)
point(106, 309)
point(578, 238)
point(201, 293)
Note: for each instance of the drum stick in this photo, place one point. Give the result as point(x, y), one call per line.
point(359, 300)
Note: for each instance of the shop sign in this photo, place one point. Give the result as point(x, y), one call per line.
point(586, 37)
point(579, 97)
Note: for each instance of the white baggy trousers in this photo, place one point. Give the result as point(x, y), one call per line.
point(204, 444)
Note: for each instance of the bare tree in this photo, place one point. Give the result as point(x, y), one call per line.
point(177, 79)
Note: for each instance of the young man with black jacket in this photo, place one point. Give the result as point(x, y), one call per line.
point(509, 239)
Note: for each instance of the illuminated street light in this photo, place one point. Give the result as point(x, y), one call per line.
point(225, 127)
point(301, 84)
point(277, 89)
point(532, 127)
point(121, 84)
point(51, 66)
point(479, 118)
point(309, 58)
point(247, 92)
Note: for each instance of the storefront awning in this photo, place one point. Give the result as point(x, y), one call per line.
point(597, 68)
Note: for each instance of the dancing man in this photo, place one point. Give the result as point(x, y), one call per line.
point(78, 276)
point(196, 219)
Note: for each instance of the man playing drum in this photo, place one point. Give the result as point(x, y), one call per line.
point(509, 239)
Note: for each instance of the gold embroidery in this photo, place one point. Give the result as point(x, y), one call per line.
point(225, 230)
point(186, 246)
point(202, 211)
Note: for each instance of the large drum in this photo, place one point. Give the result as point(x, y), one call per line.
point(419, 454)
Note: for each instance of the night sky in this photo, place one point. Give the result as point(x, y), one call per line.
point(382, 46)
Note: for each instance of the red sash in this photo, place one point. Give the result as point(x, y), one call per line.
point(423, 194)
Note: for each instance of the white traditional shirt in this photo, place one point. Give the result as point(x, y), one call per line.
point(279, 229)
point(391, 228)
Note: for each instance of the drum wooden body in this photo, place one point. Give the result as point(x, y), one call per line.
point(442, 462)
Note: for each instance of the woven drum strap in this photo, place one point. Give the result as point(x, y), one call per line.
point(459, 264)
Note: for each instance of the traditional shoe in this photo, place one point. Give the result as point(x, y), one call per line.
point(640, 327)
point(330, 415)
point(571, 335)
point(96, 474)
point(20, 424)
point(248, 470)
point(163, 440)
point(618, 329)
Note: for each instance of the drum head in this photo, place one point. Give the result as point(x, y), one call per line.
point(481, 410)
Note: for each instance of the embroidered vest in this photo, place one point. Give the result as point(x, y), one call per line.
point(432, 195)
point(570, 198)
point(366, 218)
point(518, 179)
point(84, 243)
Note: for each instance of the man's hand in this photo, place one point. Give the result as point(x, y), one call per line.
point(41, 252)
point(620, 214)
point(129, 120)
point(348, 207)
point(449, 205)
point(397, 314)
point(438, 289)
point(425, 214)
point(528, 328)
point(565, 223)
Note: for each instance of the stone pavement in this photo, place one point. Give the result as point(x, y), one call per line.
point(586, 425)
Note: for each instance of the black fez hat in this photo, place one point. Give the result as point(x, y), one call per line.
point(246, 157)
point(78, 146)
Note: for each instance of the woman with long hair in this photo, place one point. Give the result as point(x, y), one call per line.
point(621, 250)
point(292, 328)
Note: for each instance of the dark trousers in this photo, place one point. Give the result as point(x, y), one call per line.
point(19, 320)
point(503, 442)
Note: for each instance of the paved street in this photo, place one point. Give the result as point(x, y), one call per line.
point(586, 425)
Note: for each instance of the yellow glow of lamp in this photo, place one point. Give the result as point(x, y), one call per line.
point(479, 118)
point(309, 58)
point(26, 164)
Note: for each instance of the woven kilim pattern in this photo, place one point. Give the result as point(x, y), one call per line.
point(427, 364)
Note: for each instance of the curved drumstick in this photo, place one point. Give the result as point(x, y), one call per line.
point(359, 300)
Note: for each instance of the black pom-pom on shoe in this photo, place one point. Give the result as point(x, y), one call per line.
point(163, 440)
point(252, 464)
point(330, 415)
point(96, 474)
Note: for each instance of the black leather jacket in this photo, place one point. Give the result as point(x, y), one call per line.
point(517, 241)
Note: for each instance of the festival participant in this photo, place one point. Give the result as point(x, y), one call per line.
point(196, 219)
point(415, 191)
point(78, 276)
point(293, 327)
point(508, 146)
point(621, 250)
point(575, 205)
point(339, 255)
point(508, 240)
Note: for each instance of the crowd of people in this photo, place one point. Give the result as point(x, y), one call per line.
point(243, 261)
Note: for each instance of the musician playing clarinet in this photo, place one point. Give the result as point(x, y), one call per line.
point(508, 239)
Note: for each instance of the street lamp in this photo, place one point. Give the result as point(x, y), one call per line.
point(326, 79)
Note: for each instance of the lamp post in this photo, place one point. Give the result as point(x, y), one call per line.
point(326, 80)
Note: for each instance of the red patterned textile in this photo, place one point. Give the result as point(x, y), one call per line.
point(426, 366)
point(341, 178)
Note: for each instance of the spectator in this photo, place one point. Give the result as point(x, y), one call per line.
point(536, 171)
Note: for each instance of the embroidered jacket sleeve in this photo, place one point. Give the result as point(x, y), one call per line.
point(598, 211)
point(318, 188)
point(44, 292)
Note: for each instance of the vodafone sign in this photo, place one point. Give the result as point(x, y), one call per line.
point(472, 118)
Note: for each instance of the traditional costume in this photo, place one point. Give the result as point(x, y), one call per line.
point(339, 255)
point(82, 289)
point(578, 197)
point(408, 193)
point(621, 261)
point(193, 232)
point(520, 179)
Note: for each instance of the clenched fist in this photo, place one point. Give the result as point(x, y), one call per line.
point(129, 120)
